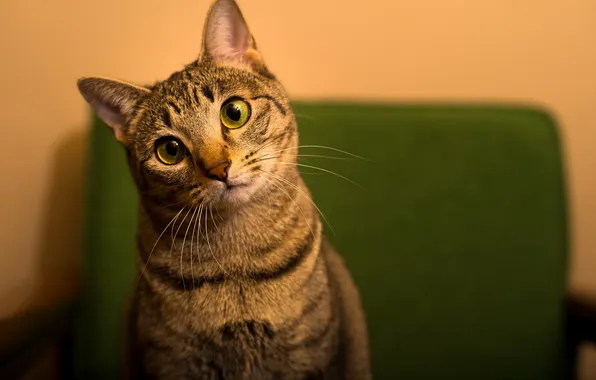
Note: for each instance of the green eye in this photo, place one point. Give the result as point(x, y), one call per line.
point(170, 151)
point(234, 113)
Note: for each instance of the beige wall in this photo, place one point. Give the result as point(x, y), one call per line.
point(538, 51)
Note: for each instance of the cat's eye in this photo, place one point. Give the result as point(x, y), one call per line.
point(170, 151)
point(234, 113)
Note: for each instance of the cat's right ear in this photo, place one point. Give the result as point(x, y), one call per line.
point(113, 101)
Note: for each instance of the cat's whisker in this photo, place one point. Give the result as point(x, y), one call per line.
point(321, 156)
point(221, 219)
point(174, 236)
point(282, 150)
point(159, 237)
point(269, 195)
point(267, 157)
point(213, 218)
point(311, 173)
point(279, 178)
point(192, 239)
point(318, 168)
point(334, 149)
point(184, 244)
point(322, 147)
point(211, 249)
point(263, 147)
point(292, 199)
point(302, 116)
point(199, 233)
point(173, 243)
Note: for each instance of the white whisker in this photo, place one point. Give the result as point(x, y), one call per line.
point(221, 219)
point(279, 178)
point(282, 150)
point(211, 249)
point(298, 115)
point(263, 147)
point(266, 157)
point(322, 147)
point(174, 236)
point(321, 156)
point(290, 198)
point(159, 237)
point(318, 168)
point(192, 239)
point(311, 173)
point(184, 244)
point(334, 149)
point(199, 233)
point(215, 224)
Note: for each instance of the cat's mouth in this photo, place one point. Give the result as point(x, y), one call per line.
point(234, 184)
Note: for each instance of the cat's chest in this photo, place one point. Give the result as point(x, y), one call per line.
point(251, 349)
point(235, 310)
point(230, 335)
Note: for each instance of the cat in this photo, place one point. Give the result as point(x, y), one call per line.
point(235, 277)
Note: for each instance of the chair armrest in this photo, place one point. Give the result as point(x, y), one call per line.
point(24, 338)
point(581, 317)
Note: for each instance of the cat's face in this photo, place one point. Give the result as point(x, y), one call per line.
point(214, 134)
point(220, 131)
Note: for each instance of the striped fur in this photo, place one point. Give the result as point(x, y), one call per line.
point(236, 281)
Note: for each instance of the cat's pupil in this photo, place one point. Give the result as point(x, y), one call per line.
point(233, 112)
point(172, 148)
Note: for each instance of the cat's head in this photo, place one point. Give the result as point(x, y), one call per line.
point(220, 131)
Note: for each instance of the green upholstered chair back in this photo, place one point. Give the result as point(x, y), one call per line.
point(456, 237)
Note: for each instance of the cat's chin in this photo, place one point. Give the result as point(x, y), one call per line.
point(232, 195)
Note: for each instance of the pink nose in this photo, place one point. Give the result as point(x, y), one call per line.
point(219, 171)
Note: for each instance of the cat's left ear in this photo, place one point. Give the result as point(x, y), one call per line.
point(227, 39)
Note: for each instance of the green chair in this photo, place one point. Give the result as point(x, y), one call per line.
point(456, 235)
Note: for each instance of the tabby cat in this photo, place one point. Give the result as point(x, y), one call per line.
point(236, 280)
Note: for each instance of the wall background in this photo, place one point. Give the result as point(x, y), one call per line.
point(541, 52)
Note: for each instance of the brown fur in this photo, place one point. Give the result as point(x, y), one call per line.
point(234, 282)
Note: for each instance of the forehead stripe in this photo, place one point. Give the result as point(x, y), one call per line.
point(281, 109)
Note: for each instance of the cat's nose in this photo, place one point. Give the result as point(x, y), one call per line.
point(219, 171)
